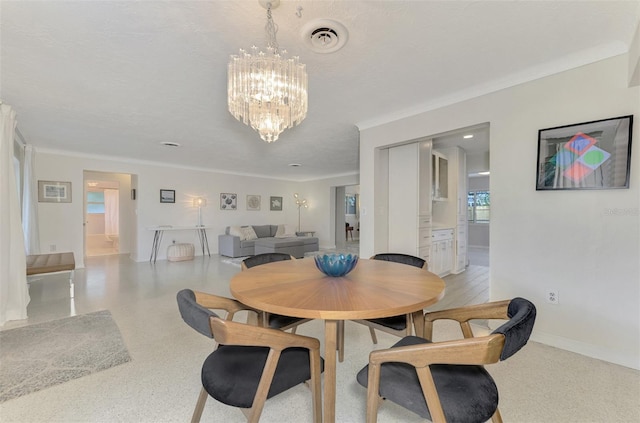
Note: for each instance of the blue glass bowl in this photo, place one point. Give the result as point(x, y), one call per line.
point(336, 264)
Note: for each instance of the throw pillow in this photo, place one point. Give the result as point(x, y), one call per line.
point(248, 233)
point(236, 231)
point(286, 231)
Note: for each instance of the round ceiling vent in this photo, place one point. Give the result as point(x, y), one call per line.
point(325, 35)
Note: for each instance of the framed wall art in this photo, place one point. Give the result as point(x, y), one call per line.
point(228, 201)
point(54, 192)
point(253, 202)
point(167, 196)
point(589, 155)
point(275, 203)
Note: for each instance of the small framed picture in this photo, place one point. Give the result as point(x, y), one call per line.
point(253, 202)
point(167, 196)
point(54, 192)
point(275, 203)
point(228, 201)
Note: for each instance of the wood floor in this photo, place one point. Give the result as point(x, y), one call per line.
point(468, 287)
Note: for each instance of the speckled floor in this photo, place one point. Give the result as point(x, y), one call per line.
point(161, 382)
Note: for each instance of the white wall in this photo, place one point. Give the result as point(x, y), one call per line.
point(585, 244)
point(61, 224)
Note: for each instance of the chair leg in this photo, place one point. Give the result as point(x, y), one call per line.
point(340, 340)
point(202, 399)
point(496, 418)
point(374, 338)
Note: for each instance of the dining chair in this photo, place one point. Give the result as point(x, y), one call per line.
point(446, 381)
point(250, 363)
point(395, 325)
point(274, 321)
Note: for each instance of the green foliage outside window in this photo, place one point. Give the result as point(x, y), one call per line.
point(478, 206)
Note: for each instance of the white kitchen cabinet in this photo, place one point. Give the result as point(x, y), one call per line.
point(442, 251)
point(410, 199)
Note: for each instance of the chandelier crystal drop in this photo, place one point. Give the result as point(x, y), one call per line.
point(266, 90)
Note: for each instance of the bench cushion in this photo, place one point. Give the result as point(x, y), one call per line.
point(49, 263)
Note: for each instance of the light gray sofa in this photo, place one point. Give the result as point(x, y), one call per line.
point(231, 246)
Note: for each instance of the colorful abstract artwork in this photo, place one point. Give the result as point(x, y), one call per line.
point(590, 155)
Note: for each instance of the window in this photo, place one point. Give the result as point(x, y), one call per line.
point(478, 206)
point(95, 202)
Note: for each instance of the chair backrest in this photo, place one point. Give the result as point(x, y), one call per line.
point(522, 316)
point(401, 258)
point(264, 258)
point(193, 313)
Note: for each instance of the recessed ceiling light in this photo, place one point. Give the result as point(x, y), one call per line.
point(466, 137)
point(295, 164)
point(170, 144)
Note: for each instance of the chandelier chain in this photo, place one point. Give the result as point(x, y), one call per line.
point(271, 29)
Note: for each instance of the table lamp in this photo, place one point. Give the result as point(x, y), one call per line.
point(199, 202)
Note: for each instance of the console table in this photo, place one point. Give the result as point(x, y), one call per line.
point(159, 231)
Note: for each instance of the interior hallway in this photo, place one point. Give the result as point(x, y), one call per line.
point(162, 382)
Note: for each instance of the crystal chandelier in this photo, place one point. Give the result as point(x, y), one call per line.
point(267, 91)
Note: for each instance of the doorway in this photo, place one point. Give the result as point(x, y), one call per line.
point(109, 213)
point(102, 218)
point(348, 218)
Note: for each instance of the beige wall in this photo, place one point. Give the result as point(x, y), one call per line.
point(569, 241)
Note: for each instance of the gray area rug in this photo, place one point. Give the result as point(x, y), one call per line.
point(47, 354)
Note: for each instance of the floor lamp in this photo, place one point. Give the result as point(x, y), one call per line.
point(300, 202)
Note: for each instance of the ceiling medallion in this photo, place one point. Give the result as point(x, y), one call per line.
point(266, 90)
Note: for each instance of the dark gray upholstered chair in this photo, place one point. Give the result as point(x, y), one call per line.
point(274, 321)
point(251, 363)
point(396, 325)
point(446, 381)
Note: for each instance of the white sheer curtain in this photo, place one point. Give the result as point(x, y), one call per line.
point(111, 205)
point(14, 293)
point(30, 204)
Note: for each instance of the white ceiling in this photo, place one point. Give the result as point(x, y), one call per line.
point(117, 78)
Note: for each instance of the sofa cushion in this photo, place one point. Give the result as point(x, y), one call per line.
point(262, 231)
point(308, 240)
point(274, 230)
point(249, 243)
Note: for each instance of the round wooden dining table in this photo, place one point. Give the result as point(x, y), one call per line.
point(374, 289)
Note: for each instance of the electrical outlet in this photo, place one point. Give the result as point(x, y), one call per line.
point(552, 296)
point(52, 247)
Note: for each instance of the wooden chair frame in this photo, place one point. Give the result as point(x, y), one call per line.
point(231, 307)
point(227, 332)
point(233, 333)
point(470, 350)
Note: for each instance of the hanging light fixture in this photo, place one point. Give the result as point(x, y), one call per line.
point(267, 91)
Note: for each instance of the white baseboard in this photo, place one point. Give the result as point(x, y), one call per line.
point(594, 351)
